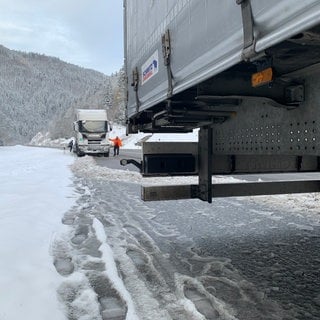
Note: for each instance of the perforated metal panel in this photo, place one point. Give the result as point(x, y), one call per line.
point(261, 129)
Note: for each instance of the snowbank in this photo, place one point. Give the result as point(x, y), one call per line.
point(35, 192)
point(132, 141)
point(44, 140)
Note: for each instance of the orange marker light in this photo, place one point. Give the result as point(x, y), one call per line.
point(262, 77)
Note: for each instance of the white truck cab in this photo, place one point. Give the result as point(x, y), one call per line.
point(92, 132)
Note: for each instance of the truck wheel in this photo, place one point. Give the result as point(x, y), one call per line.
point(106, 154)
point(77, 151)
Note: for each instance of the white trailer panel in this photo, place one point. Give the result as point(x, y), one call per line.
point(206, 39)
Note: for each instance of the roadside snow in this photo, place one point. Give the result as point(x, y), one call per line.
point(44, 140)
point(35, 193)
point(309, 202)
point(131, 141)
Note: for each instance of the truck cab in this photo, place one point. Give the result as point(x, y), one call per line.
point(92, 132)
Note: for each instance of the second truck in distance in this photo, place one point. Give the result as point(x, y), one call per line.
point(92, 132)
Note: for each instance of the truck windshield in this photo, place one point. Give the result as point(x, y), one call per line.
point(93, 126)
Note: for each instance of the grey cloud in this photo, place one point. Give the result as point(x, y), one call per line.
point(87, 33)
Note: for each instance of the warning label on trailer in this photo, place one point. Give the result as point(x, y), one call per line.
point(150, 68)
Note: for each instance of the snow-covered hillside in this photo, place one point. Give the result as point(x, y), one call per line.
point(40, 93)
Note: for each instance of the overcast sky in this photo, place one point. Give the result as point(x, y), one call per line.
point(87, 33)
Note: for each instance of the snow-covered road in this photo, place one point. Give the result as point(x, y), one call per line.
point(117, 258)
point(249, 258)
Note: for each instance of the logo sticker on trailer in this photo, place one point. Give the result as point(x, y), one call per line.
point(150, 68)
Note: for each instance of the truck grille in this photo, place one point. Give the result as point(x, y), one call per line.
point(94, 141)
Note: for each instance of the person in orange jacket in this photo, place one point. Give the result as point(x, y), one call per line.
point(117, 143)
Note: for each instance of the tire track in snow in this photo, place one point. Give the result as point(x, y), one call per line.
point(141, 233)
point(141, 238)
point(87, 292)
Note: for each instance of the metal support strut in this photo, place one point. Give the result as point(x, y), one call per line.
point(135, 85)
point(175, 192)
point(205, 163)
point(249, 41)
point(166, 51)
